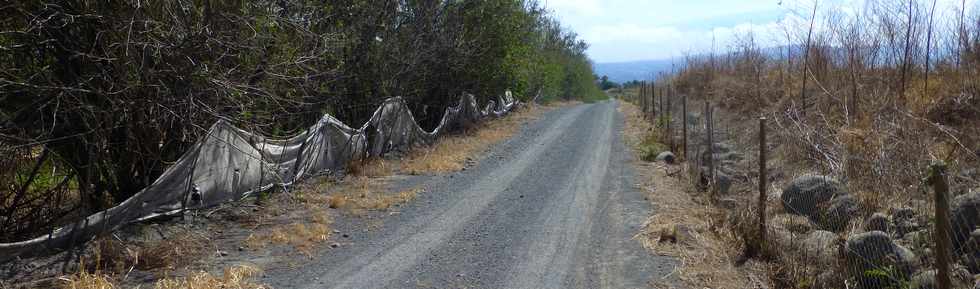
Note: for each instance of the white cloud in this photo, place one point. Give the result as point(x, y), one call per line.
point(625, 30)
point(632, 32)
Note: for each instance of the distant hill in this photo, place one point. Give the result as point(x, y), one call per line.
point(621, 72)
point(634, 70)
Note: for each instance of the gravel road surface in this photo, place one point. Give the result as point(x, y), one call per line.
point(553, 207)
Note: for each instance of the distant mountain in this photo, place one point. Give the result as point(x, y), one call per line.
point(635, 70)
point(621, 72)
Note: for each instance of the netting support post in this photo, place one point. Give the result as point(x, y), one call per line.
point(763, 177)
point(938, 180)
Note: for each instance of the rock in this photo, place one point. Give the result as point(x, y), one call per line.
point(903, 213)
point(806, 194)
point(903, 221)
point(820, 249)
point(966, 217)
point(693, 119)
point(728, 204)
point(877, 222)
point(839, 214)
point(868, 254)
point(723, 183)
point(822, 246)
point(727, 157)
point(792, 223)
point(971, 252)
point(334, 245)
point(666, 157)
point(924, 280)
point(927, 279)
point(828, 280)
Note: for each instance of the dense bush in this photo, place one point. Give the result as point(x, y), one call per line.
point(108, 93)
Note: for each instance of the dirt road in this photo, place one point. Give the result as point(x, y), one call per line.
point(553, 207)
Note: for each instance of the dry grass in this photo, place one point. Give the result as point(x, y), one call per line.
point(450, 154)
point(304, 235)
point(683, 228)
point(358, 194)
point(85, 280)
point(372, 168)
point(236, 277)
point(112, 256)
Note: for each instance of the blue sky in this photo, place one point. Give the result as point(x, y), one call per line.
point(628, 30)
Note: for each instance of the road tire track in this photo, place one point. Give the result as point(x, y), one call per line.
point(552, 207)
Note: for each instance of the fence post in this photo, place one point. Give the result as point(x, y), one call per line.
point(937, 178)
point(643, 99)
point(711, 144)
point(763, 178)
point(670, 119)
point(653, 101)
point(661, 103)
point(684, 124)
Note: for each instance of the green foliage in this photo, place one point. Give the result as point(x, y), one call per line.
point(118, 90)
point(889, 276)
point(606, 84)
point(651, 147)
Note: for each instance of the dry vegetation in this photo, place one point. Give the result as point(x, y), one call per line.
point(233, 277)
point(685, 226)
point(869, 99)
point(450, 154)
point(236, 277)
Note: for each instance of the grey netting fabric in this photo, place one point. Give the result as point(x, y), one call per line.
point(229, 164)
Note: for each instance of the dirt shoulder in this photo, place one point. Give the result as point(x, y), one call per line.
point(685, 225)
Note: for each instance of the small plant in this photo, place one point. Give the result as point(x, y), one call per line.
point(889, 277)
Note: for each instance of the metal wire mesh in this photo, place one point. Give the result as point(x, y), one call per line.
point(845, 220)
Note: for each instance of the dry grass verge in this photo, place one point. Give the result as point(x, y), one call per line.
point(299, 221)
point(684, 225)
point(303, 236)
point(452, 153)
point(236, 277)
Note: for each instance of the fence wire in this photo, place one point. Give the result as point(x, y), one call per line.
point(845, 223)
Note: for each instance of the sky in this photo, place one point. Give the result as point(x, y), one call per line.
point(631, 30)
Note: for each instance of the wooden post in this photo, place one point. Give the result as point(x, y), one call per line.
point(937, 178)
point(710, 141)
point(643, 99)
point(670, 119)
point(763, 178)
point(684, 124)
point(653, 101)
point(662, 94)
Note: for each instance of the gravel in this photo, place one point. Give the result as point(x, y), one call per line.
point(553, 207)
